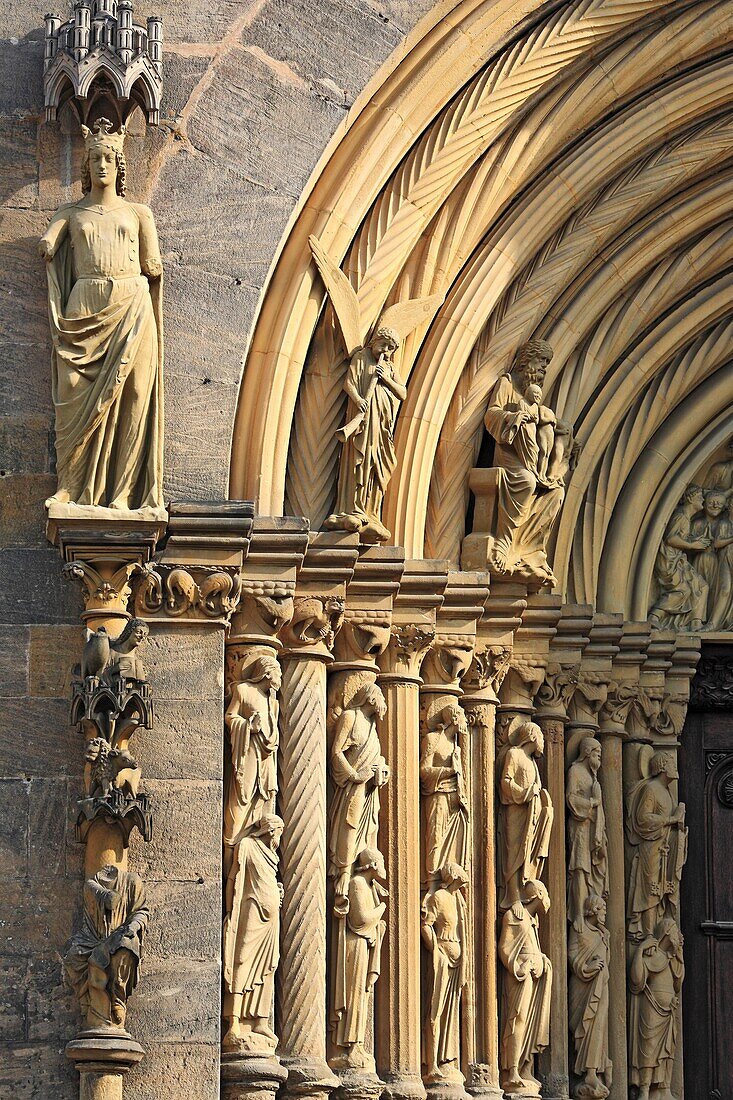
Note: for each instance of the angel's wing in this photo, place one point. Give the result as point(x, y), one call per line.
point(406, 316)
point(343, 297)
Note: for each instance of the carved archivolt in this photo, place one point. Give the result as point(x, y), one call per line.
point(574, 164)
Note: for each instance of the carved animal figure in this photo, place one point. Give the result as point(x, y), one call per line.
point(183, 592)
point(319, 620)
point(95, 656)
point(104, 768)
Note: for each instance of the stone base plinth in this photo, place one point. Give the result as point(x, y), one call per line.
point(446, 1090)
point(358, 1085)
point(403, 1087)
point(251, 1076)
point(103, 1056)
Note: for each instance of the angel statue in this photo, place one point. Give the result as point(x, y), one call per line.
point(375, 392)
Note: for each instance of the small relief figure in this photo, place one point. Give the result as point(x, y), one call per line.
point(444, 798)
point(589, 958)
point(525, 820)
point(586, 831)
point(104, 295)
point(251, 939)
point(375, 392)
point(720, 601)
point(705, 528)
point(358, 947)
point(103, 961)
point(358, 771)
point(107, 769)
point(124, 661)
point(527, 985)
point(444, 931)
point(720, 474)
point(655, 828)
point(532, 457)
point(252, 720)
point(682, 593)
point(655, 983)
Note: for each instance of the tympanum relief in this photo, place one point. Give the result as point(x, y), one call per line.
point(104, 302)
point(375, 392)
point(693, 571)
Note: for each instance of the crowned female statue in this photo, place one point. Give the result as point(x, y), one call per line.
point(104, 297)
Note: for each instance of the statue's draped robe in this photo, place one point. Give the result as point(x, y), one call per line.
point(358, 946)
point(444, 802)
point(368, 457)
point(107, 376)
point(526, 997)
point(653, 1003)
point(682, 591)
point(251, 778)
point(588, 998)
point(446, 913)
point(354, 816)
point(587, 844)
point(251, 928)
point(659, 853)
point(525, 821)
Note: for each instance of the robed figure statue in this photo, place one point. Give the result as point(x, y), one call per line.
point(104, 302)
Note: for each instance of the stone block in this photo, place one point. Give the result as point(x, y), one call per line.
point(171, 1071)
point(14, 798)
point(32, 589)
point(25, 445)
point(198, 433)
point(48, 825)
point(36, 739)
point(39, 916)
point(14, 646)
point(19, 162)
point(52, 1009)
point(185, 921)
point(184, 663)
point(22, 512)
point(53, 652)
point(36, 1071)
point(186, 743)
point(21, 72)
point(186, 833)
point(13, 986)
point(177, 1001)
point(25, 342)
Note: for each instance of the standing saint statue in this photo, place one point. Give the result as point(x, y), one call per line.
point(358, 947)
point(656, 831)
point(358, 771)
point(375, 391)
point(586, 831)
point(444, 798)
point(104, 298)
point(655, 984)
point(251, 774)
point(589, 959)
point(525, 820)
point(527, 986)
point(444, 932)
point(251, 938)
point(532, 455)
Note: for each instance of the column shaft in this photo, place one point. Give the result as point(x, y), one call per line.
point(398, 1013)
point(301, 978)
point(613, 803)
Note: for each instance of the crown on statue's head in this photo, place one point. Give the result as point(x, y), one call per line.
point(102, 135)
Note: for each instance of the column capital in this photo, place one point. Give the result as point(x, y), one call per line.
point(421, 591)
point(276, 550)
point(455, 632)
point(319, 603)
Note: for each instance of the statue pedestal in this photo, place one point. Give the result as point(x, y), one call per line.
point(358, 1084)
point(103, 1056)
point(478, 547)
point(251, 1076)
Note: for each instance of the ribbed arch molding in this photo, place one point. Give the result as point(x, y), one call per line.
point(564, 173)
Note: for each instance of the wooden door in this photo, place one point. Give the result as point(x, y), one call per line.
point(706, 786)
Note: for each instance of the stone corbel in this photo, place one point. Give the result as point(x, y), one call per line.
point(111, 700)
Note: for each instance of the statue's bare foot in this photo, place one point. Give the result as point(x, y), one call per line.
point(60, 497)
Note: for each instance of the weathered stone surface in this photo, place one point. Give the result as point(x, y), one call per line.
point(47, 833)
point(32, 589)
point(37, 1071)
point(53, 652)
point(25, 445)
point(187, 921)
point(22, 515)
point(12, 998)
point(177, 1001)
point(14, 645)
point(39, 915)
point(174, 1070)
point(187, 816)
point(19, 164)
point(36, 739)
point(52, 1009)
point(182, 663)
point(13, 827)
point(186, 742)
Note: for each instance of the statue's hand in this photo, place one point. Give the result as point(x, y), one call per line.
point(363, 405)
point(45, 250)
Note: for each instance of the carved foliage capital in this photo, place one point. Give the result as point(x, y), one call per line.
point(589, 696)
point(103, 589)
point(488, 668)
point(408, 647)
point(557, 690)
